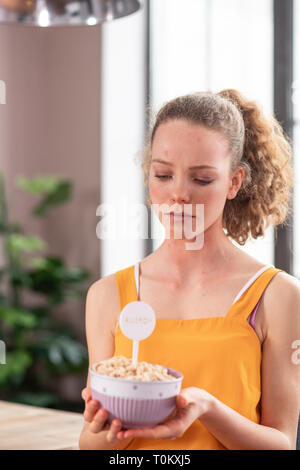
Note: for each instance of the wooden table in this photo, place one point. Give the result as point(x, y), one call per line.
point(24, 427)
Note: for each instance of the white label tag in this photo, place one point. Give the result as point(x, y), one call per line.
point(137, 320)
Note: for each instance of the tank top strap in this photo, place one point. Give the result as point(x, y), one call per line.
point(126, 286)
point(245, 303)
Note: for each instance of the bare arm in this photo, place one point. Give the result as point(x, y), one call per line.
point(236, 432)
point(280, 401)
point(97, 433)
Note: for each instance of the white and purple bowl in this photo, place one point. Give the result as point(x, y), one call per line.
point(137, 403)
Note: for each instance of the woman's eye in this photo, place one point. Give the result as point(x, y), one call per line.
point(162, 176)
point(203, 182)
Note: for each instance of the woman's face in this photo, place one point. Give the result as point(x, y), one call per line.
point(190, 165)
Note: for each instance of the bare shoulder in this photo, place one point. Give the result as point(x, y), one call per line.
point(103, 296)
point(282, 286)
point(282, 301)
point(103, 287)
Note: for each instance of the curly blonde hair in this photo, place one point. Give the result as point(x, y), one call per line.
point(257, 144)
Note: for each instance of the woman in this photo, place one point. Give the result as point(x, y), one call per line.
point(241, 387)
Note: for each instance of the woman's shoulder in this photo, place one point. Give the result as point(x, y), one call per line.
point(284, 283)
point(104, 290)
point(102, 285)
point(282, 299)
point(103, 293)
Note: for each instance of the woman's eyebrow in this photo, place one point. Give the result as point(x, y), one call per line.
point(190, 168)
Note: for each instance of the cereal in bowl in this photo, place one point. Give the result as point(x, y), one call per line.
point(121, 366)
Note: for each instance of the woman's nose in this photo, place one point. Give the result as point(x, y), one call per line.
point(180, 193)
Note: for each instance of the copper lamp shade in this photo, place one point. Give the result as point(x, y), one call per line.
point(64, 12)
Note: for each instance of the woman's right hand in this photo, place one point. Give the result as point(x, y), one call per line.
point(97, 417)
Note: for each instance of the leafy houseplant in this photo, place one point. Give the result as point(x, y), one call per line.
point(38, 348)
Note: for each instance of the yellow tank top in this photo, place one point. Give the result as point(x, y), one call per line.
point(219, 354)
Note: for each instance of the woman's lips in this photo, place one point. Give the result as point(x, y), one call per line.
point(180, 216)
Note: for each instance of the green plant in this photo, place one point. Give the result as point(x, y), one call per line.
point(38, 347)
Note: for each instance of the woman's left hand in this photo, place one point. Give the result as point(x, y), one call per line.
point(191, 403)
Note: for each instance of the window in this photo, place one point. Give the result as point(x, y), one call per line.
point(213, 44)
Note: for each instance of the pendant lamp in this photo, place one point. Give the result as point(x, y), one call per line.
point(64, 12)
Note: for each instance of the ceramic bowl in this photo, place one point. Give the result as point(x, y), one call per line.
point(138, 404)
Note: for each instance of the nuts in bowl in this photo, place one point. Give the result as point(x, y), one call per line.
point(140, 395)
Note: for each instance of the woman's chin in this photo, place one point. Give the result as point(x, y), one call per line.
point(181, 235)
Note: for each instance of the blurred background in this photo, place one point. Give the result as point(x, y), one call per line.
point(74, 111)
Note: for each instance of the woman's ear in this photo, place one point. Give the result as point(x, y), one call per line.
point(235, 183)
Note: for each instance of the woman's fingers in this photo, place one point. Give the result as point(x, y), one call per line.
point(86, 394)
point(98, 421)
point(115, 427)
point(83, 391)
point(90, 409)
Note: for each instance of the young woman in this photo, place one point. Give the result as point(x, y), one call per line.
point(227, 321)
